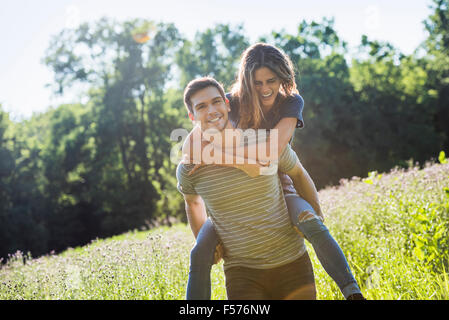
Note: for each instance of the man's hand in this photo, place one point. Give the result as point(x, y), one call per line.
point(298, 232)
point(252, 170)
point(219, 253)
point(193, 147)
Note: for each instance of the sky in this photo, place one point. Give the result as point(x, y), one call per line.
point(26, 27)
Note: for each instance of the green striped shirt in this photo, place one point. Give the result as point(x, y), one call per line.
point(249, 214)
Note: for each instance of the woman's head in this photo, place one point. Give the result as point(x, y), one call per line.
point(266, 75)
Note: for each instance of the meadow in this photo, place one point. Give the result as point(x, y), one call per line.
point(392, 227)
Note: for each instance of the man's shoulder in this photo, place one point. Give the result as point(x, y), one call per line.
point(287, 159)
point(183, 169)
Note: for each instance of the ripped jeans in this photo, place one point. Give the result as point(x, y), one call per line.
point(303, 218)
point(326, 248)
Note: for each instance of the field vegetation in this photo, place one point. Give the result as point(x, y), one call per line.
point(392, 227)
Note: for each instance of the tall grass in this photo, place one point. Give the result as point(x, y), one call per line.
point(393, 229)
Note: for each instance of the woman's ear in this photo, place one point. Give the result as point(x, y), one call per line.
point(228, 107)
point(191, 116)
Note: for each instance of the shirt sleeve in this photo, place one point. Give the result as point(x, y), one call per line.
point(185, 184)
point(292, 108)
point(287, 160)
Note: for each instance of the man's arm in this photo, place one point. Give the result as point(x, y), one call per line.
point(196, 212)
point(193, 146)
point(305, 187)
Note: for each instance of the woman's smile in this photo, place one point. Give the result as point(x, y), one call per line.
point(267, 85)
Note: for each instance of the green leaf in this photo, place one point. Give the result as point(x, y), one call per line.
point(418, 253)
point(446, 190)
point(431, 257)
point(422, 217)
point(442, 157)
point(439, 232)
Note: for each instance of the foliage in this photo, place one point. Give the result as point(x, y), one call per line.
point(214, 52)
point(436, 63)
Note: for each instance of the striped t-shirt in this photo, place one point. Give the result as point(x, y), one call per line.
point(249, 213)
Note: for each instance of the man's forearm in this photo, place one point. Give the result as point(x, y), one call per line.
point(196, 215)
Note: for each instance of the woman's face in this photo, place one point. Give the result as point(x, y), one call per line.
point(267, 85)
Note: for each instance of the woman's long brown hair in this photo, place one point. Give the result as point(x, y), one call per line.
point(257, 56)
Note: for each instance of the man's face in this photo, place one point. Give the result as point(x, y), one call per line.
point(210, 109)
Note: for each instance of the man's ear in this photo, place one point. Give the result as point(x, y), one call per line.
point(191, 116)
point(228, 106)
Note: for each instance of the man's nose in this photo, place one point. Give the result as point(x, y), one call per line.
point(211, 108)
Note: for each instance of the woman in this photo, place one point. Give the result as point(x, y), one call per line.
point(265, 97)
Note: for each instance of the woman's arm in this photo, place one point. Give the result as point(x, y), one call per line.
point(290, 113)
point(191, 154)
point(280, 135)
point(305, 187)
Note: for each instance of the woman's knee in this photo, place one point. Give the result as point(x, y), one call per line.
point(312, 226)
point(298, 208)
point(202, 254)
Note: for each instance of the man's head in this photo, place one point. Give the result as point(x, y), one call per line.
point(206, 102)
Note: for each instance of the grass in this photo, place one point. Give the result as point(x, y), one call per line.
point(393, 229)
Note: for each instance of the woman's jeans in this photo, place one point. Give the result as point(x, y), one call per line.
point(201, 260)
point(326, 249)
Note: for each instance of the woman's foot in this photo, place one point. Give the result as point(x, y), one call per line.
point(356, 296)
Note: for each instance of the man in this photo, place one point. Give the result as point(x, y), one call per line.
point(264, 258)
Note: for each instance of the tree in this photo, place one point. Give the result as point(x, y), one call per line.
point(436, 64)
point(22, 213)
point(370, 115)
point(131, 123)
point(214, 52)
point(398, 110)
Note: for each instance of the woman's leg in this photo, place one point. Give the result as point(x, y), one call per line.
point(201, 260)
point(326, 248)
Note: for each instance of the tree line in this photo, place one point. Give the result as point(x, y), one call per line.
point(95, 169)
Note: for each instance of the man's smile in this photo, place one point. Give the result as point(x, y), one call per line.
point(215, 119)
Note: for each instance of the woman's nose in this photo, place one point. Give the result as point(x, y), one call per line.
point(265, 88)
